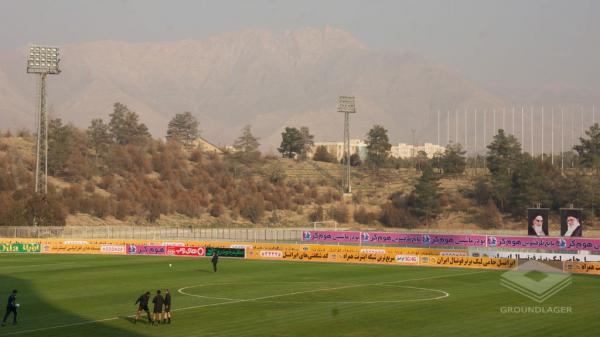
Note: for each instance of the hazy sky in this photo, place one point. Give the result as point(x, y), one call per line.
point(520, 43)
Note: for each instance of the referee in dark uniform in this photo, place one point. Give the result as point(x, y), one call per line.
point(158, 301)
point(143, 301)
point(214, 260)
point(11, 307)
point(167, 317)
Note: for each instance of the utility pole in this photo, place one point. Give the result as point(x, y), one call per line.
point(531, 127)
point(413, 150)
point(552, 132)
point(465, 130)
point(562, 140)
point(438, 128)
point(447, 127)
point(494, 130)
point(513, 120)
point(522, 129)
point(542, 133)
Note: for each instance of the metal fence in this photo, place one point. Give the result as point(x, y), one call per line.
point(157, 233)
point(282, 235)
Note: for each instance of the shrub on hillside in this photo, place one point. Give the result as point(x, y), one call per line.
point(253, 208)
point(341, 213)
point(392, 216)
point(362, 216)
point(316, 215)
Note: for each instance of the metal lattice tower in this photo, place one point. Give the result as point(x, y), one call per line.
point(42, 61)
point(41, 167)
point(346, 105)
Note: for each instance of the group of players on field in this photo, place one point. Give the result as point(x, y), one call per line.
point(159, 303)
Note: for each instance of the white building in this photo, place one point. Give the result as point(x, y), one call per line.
point(337, 148)
point(402, 150)
point(405, 151)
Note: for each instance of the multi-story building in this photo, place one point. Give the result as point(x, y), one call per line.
point(402, 150)
point(336, 149)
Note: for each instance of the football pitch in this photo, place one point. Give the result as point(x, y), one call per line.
point(86, 295)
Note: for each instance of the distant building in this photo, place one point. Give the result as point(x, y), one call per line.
point(336, 149)
point(359, 146)
point(206, 146)
point(405, 151)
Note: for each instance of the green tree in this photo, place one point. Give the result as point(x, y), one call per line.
point(67, 149)
point(355, 160)
point(424, 200)
point(378, 146)
point(125, 127)
point(99, 138)
point(504, 154)
point(529, 185)
point(292, 143)
point(589, 149)
point(246, 146)
point(183, 128)
point(422, 160)
point(307, 142)
point(321, 154)
point(453, 161)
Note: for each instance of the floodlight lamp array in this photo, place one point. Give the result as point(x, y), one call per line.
point(42, 59)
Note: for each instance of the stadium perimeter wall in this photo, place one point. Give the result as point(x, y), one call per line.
point(259, 251)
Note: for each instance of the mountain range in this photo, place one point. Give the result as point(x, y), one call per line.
point(267, 79)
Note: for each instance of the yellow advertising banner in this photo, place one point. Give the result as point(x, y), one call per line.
point(325, 253)
point(81, 248)
point(263, 251)
point(592, 268)
point(467, 262)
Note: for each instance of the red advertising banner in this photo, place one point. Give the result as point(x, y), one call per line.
point(186, 251)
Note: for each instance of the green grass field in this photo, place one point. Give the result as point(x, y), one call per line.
point(94, 295)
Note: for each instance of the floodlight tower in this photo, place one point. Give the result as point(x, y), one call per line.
point(42, 60)
point(346, 105)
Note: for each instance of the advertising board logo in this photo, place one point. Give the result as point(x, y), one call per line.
point(132, 249)
point(536, 280)
point(412, 259)
point(271, 253)
point(492, 241)
point(365, 236)
point(242, 246)
point(372, 251)
point(75, 242)
point(175, 244)
point(306, 236)
point(112, 249)
point(426, 239)
point(562, 243)
point(453, 254)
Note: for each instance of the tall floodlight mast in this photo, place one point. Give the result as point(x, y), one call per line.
point(346, 106)
point(44, 61)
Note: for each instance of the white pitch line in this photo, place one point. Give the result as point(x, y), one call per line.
point(60, 326)
point(233, 302)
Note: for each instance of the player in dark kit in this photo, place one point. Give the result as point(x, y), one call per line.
point(167, 307)
point(214, 260)
point(158, 301)
point(11, 307)
point(143, 301)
